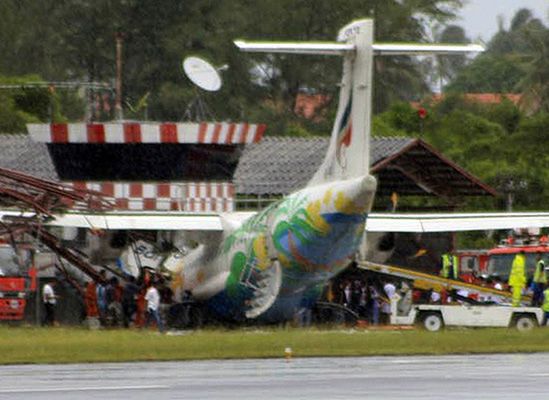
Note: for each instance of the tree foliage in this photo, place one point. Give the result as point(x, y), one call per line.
point(74, 40)
point(516, 61)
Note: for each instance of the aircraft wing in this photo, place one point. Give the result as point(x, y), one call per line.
point(376, 222)
point(454, 222)
point(140, 220)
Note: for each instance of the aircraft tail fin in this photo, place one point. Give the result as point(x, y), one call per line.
point(349, 150)
point(348, 154)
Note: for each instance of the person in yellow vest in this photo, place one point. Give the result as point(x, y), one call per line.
point(539, 281)
point(517, 278)
point(450, 266)
point(545, 306)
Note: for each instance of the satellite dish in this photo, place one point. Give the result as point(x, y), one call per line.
point(202, 73)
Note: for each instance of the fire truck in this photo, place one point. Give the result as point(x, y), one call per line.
point(497, 262)
point(17, 281)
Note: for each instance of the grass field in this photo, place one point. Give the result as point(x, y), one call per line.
point(71, 345)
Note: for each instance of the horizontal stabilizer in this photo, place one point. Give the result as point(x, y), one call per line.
point(399, 49)
point(329, 49)
point(340, 49)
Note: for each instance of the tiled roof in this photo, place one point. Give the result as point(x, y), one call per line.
point(20, 153)
point(484, 98)
point(280, 165)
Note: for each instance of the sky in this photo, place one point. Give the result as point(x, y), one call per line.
point(479, 18)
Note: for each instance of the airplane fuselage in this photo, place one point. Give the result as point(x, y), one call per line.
point(281, 258)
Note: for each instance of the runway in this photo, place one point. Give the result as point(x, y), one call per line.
point(449, 377)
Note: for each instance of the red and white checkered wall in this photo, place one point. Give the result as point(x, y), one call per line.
point(166, 196)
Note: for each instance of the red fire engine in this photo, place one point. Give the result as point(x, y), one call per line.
point(497, 262)
point(15, 285)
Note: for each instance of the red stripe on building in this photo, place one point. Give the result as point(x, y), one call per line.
point(202, 205)
point(259, 132)
point(168, 133)
point(121, 203)
point(95, 133)
point(219, 190)
point(174, 205)
point(132, 133)
point(149, 204)
point(136, 190)
point(216, 133)
point(230, 190)
point(79, 185)
point(230, 134)
point(202, 132)
point(244, 135)
point(191, 205)
point(163, 190)
point(107, 188)
point(59, 133)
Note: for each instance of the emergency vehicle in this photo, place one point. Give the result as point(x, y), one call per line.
point(16, 283)
point(464, 310)
point(497, 262)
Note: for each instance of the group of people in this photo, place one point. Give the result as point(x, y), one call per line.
point(111, 303)
point(136, 303)
point(539, 287)
point(370, 299)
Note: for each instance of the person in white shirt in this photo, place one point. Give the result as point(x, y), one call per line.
point(50, 300)
point(435, 298)
point(152, 297)
point(390, 290)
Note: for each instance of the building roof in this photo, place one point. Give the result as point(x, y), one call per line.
point(407, 166)
point(419, 169)
point(483, 98)
point(278, 165)
point(281, 165)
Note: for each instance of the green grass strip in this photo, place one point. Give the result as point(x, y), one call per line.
point(74, 345)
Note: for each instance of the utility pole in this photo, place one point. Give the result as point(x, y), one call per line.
point(119, 38)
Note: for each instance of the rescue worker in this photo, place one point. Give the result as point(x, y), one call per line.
point(90, 299)
point(539, 281)
point(140, 306)
point(102, 296)
point(450, 266)
point(517, 278)
point(545, 306)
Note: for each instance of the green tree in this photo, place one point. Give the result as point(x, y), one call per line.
point(516, 60)
point(535, 82)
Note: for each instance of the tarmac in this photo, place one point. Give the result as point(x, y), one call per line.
point(517, 376)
